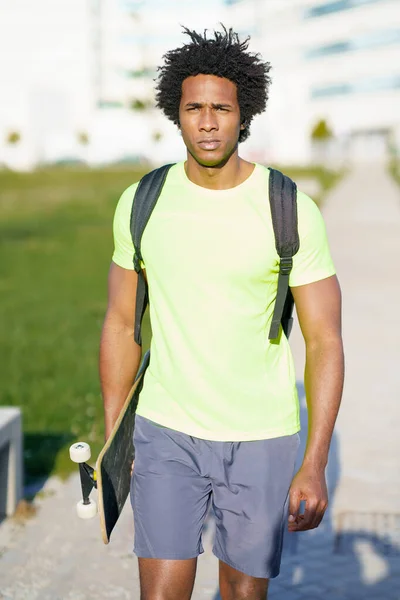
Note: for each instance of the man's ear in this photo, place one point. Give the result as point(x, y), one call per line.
point(243, 125)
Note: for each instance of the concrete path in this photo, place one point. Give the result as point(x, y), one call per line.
point(55, 556)
point(363, 220)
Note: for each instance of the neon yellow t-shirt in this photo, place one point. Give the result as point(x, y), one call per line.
point(212, 270)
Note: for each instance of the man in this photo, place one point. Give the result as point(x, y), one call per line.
point(218, 417)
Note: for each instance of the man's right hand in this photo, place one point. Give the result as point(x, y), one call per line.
point(119, 354)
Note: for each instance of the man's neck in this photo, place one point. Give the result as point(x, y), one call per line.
point(234, 172)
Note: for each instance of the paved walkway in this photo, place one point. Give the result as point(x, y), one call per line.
point(55, 556)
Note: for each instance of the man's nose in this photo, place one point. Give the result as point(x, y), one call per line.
point(208, 120)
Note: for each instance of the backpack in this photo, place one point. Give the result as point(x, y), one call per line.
point(283, 203)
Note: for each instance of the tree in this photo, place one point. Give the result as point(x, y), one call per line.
point(321, 132)
point(140, 105)
point(13, 138)
point(157, 136)
point(83, 138)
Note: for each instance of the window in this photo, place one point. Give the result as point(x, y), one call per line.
point(326, 9)
point(374, 85)
point(377, 38)
point(331, 90)
point(361, 42)
point(391, 82)
point(336, 48)
point(336, 6)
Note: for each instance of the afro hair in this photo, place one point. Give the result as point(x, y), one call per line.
point(223, 55)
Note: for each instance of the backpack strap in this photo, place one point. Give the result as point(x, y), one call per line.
point(146, 196)
point(283, 203)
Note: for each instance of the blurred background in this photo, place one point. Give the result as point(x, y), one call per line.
point(78, 125)
point(77, 78)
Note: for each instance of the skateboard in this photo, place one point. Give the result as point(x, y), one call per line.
point(112, 474)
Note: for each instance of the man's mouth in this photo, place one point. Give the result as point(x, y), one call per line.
point(209, 144)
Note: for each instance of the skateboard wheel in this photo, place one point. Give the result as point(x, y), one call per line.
point(86, 511)
point(80, 452)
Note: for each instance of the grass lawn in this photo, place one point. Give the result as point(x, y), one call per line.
point(326, 178)
point(55, 248)
point(394, 170)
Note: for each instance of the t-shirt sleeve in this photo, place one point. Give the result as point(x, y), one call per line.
point(123, 245)
point(313, 261)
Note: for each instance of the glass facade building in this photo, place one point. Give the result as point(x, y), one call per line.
point(374, 84)
point(337, 61)
point(333, 7)
point(365, 41)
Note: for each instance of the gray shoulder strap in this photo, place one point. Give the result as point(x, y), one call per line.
point(283, 203)
point(146, 196)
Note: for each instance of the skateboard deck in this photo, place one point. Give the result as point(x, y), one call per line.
point(112, 475)
point(113, 466)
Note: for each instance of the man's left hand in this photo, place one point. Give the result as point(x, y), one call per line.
point(308, 485)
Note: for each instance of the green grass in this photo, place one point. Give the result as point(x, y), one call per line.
point(394, 170)
point(55, 248)
point(327, 178)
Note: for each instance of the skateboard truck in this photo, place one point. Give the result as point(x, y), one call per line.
point(112, 475)
point(80, 453)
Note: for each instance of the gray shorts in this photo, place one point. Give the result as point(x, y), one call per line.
point(177, 478)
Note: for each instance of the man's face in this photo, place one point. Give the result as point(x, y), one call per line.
point(209, 118)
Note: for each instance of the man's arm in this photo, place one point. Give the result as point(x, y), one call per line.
point(119, 354)
point(318, 308)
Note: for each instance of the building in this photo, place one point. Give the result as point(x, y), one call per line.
point(44, 78)
point(135, 36)
point(77, 78)
point(337, 61)
point(71, 72)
